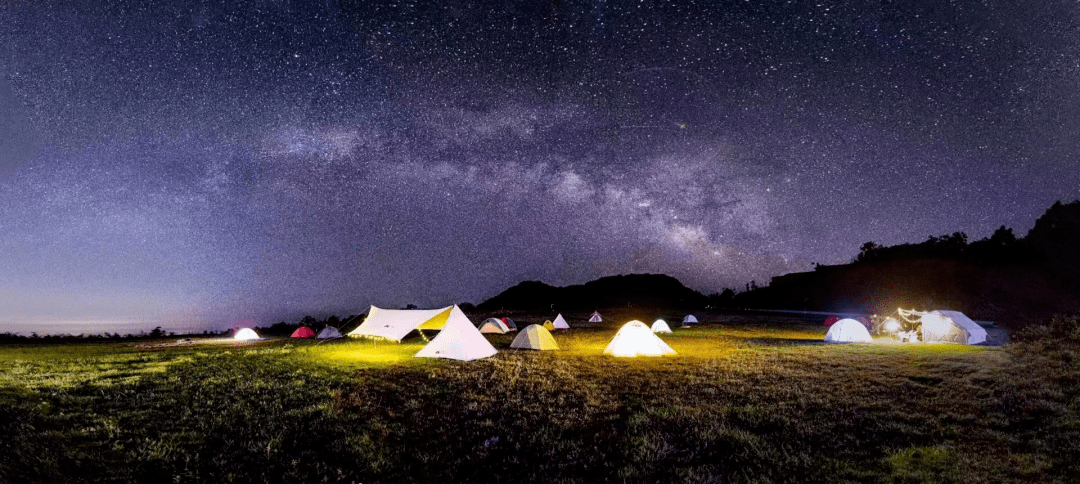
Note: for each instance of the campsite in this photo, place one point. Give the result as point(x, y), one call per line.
point(747, 397)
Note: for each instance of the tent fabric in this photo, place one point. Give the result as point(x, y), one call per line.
point(943, 325)
point(689, 319)
point(636, 339)
point(458, 338)
point(548, 325)
point(848, 330)
point(329, 332)
point(595, 318)
point(534, 337)
point(394, 324)
point(831, 320)
point(492, 325)
point(560, 323)
point(303, 332)
point(660, 326)
point(509, 324)
point(246, 334)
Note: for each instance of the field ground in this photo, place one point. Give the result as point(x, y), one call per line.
point(748, 399)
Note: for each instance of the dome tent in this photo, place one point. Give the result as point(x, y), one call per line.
point(246, 334)
point(492, 325)
point(329, 332)
point(534, 337)
point(660, 326)
point(636, 339)
point(303, 332)
point(848, 330)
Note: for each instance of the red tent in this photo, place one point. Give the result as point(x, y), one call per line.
point(831, 320)
point(303, 332)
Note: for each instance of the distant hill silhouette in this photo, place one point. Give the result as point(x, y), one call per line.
point(633, 290)
point(1001, 278)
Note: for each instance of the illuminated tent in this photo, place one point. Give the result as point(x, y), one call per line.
point(303, 332)
point(548, 325)
point(848, 330)
point(246, 334)
point(560, 323)
point(945, 326)
point(492, 325)
point(509, 324)
point(660, 326)
point(595, 318)
point(636, 339)
point(329, 332)
point(689, 319)
point(534, 337)
point(458, 338)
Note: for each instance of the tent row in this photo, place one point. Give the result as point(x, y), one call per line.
point(938, 326)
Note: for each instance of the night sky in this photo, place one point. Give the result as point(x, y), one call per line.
point(190, 167)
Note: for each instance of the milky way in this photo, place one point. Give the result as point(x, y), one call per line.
point(268, 160)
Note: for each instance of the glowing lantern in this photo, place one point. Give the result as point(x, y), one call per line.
point(637, 339)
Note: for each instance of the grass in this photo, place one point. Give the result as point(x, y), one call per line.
point(751, 400)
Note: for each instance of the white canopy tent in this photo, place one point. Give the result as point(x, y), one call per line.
point(458, 338)
point(946, 326)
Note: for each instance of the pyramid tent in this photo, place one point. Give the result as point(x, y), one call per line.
point(458, 339)
point(595, 318)
point(303, 332)
point(560, 323)
point(509, 324)
point(660, 326)
point(246, 334)
point(492, 325)
point(534, 337)
point(548, 325)
point(848, 330)
point(943, 325)
point(636, 339)
point(329, 332)
point(689, 319)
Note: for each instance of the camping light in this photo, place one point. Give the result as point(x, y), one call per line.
point(891, 325)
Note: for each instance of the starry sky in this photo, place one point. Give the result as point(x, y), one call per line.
point(193, 166)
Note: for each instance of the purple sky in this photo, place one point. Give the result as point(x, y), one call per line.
point(195, 166)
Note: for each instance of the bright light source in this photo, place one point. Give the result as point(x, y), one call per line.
point(637, 339)
point(246, 334)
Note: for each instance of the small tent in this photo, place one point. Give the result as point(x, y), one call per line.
point(303, 332)
point(560, 323)
point(548, 325)
point(329, 332)
point(246, 334)
point(534, 337)
point(636, 339)
point(492, 325)
point(689, 319)
point(458, 338)
point(509, 324)
point(848, 330)
point(943, 325)
point(660, 326)
point(831, 320)
point(595, 318)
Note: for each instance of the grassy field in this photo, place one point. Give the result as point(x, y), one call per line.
point(746, 400)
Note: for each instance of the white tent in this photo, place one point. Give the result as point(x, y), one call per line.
point(534, 337)
point(457, 339)
point(246, 334)
point(560, 323)
point(329, 332)
point(951, 327)
point(689, 319)
point(660, 326)
point(636, 339)
point(848, 330)
point(595, 318)
point(492, 325)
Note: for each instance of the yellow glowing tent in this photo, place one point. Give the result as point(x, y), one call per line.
point(548, 325)
point(534, 337)
point(636, 339)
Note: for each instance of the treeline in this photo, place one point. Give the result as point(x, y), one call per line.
point(283, 328)
point(106, 336)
